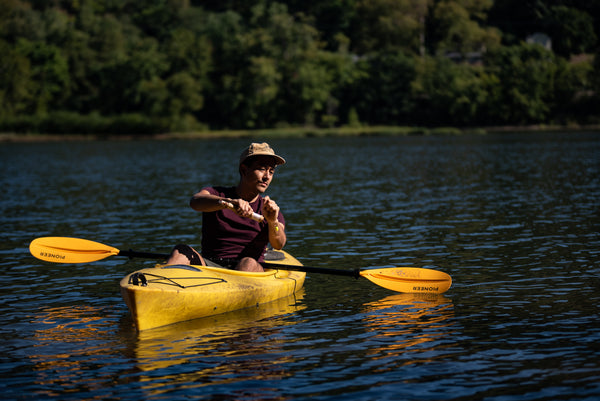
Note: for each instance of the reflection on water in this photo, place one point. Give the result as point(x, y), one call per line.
point(217, 350)
point(240, 331)
point(513, 219)
point(67, 341)
point(404, 323)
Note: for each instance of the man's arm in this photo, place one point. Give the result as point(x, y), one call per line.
point(277, 236)
point(204, 201)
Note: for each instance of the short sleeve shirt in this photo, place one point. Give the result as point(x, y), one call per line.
point(230, 236)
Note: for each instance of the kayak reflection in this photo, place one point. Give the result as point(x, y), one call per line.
point(218, 348)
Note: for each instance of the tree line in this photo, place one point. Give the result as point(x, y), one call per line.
point(144, 66)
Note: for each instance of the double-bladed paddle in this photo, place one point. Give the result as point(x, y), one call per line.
point(401, 279)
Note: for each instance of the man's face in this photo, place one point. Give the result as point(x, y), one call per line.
point(259, 173)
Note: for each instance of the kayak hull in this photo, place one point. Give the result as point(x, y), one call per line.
point(164, 295)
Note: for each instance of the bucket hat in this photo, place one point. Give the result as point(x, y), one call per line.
point(260, 149)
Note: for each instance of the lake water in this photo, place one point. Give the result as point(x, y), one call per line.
point(513, 218)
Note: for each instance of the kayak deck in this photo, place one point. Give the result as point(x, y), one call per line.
point(164, 295)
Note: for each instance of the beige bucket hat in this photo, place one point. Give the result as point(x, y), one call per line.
point(261, 149)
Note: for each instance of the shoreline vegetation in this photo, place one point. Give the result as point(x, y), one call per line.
point(297, 132)
point(76, 69)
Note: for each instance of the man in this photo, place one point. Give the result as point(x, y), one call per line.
point(230, 238)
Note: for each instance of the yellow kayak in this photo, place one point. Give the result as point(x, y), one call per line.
point(164, 295)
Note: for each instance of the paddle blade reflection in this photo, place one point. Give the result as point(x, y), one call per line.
point(409, 323)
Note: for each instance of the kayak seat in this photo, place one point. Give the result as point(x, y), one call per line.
point(185, 267)
point(274, 255)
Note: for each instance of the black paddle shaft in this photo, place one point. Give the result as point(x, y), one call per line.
point(147, 255)
point(307, 269)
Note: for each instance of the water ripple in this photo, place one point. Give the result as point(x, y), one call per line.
point(512, 218)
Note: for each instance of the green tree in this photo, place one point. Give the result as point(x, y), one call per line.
point(18, 20)
point(331, 18)
point(225, 33)
point(345, 75)
point(527, 75)
point(571, 30)
point(156, 18)
point(264, 90)
point(451, 93)
point(573, 25)
point(384, 94)
point(189, 57)
point(310, 75)
point(574, 91)
point(122, 82)
point(457, 26)
point(389, 25)
point(49, 74)
point(261, 63)
point(16, 84)
point(273, 68)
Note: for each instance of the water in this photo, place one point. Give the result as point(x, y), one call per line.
point(512, 218)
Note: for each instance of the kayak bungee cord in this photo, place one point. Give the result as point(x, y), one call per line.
point(141, 280)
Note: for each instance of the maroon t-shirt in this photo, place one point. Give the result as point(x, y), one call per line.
point(229, 236)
